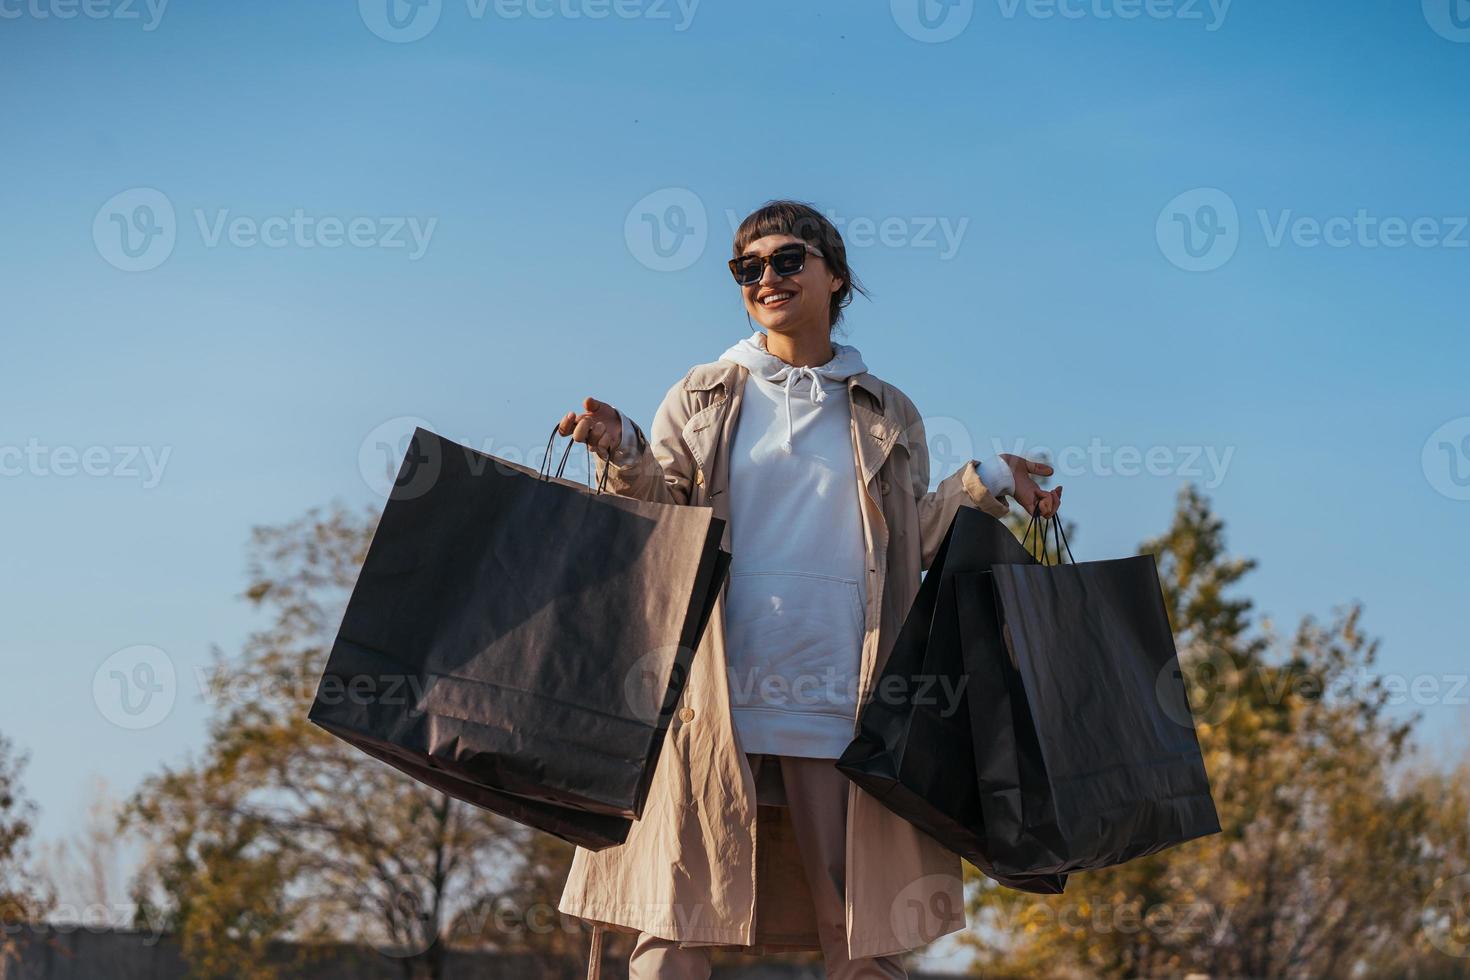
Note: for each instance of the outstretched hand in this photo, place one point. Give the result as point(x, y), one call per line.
point(599, 426)
point(1028, 494)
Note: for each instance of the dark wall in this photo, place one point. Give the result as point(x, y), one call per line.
point(49, 953)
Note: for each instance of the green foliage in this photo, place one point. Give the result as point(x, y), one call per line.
point(22, 898)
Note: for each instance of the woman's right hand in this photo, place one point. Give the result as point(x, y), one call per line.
point(599, 426)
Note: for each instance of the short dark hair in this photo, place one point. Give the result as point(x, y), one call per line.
point(807, 223)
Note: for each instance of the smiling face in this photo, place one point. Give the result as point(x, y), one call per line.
point(791, 304)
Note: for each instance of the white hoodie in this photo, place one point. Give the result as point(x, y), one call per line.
point(794, 612)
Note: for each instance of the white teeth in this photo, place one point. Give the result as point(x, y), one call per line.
point(775, 298)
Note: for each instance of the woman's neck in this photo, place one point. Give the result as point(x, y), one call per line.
point(802, 349)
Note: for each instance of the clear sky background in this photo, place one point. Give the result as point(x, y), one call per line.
point(1067, 156)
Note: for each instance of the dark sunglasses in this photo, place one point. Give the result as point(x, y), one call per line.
point(787, 260)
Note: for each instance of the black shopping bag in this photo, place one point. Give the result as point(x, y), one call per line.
point(1085, 743)
point(914, 749)
point(520, 641)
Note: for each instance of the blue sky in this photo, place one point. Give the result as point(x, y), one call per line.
point(1017, 197)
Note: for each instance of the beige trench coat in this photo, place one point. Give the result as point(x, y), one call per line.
point(688, 871)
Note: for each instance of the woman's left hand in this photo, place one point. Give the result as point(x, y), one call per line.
point(1028, 494)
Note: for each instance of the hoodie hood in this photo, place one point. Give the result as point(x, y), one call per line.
point(751, 354)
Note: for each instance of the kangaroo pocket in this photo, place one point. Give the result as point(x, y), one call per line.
point(794, 641)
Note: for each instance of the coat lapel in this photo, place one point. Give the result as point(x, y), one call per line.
point(708, 434)
point(875, 434)
point(706, 429)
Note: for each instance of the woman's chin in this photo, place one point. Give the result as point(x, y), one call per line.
point(777, 320)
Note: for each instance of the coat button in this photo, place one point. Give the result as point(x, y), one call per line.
point(699, 477)
point(686, 714)
point(884, 486)
point(876, 430)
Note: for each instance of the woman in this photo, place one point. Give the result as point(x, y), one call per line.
point(751, 838)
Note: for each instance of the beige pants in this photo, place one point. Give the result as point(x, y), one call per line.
point(817, 795)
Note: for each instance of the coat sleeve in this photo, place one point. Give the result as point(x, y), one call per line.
point(662, 468)
point(937, 507)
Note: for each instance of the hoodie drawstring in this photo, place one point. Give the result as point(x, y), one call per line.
point(793, 375)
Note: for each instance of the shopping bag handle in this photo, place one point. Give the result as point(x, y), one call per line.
point(1058, 535)
point(546, 461)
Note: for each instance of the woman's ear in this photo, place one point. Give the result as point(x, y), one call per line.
point(836, 285)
